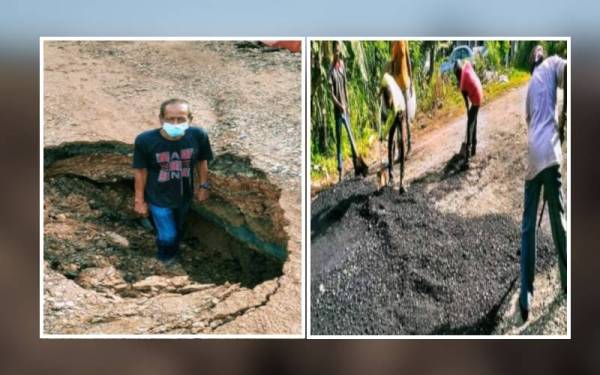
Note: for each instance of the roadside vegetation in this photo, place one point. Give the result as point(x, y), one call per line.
point(501, 66)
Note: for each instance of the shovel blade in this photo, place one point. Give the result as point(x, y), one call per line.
point(360, 167)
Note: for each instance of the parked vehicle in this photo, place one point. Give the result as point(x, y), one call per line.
point(462, 52)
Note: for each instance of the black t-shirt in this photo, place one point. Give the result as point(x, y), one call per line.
point(170, 164)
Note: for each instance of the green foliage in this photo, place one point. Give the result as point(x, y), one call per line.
point(321, 104)
point(556, 48)
point(364, 67)
point(365, 63)
point(550, 47)
point(497, 54)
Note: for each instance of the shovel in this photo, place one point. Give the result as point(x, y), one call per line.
point(381, 173)
point(541, 213)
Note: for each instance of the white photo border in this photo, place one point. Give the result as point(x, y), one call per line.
point(569, 206)
point(302, 333)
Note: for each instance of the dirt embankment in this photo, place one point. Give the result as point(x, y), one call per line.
point(442, 258)
point(240, 264)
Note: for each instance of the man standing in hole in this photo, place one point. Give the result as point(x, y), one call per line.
point(164, 160)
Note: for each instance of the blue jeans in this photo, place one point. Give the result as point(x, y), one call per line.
point(343, 118)
point(169, 224)
point(550, 179)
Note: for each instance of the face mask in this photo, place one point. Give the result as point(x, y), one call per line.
point(175, 130)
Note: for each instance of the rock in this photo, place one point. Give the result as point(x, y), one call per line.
point(71, 268)
point(101, 279)
point(151, 283)
point(101, 261)
point(503, 78)
point(61, 217)
point(191, 288)
point(118, 239)
point(179, 281)
point(121, 287)
point(101, 244)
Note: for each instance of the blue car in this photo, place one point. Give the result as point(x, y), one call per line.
point(463, 52)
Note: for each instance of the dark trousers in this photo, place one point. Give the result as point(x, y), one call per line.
point(471, 131)
point(550, 180)
point(408, 121)
point(397, 124)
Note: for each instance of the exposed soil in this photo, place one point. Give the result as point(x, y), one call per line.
point(443, 257)
point(239, 270)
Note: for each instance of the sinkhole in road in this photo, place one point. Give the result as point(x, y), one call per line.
point(237, 236)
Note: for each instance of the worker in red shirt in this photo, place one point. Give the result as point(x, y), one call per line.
point(470, 87)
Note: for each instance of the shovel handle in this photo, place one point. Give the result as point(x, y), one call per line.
point(541, 213)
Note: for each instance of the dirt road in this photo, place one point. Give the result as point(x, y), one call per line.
point(443, 258)
point(100, 275)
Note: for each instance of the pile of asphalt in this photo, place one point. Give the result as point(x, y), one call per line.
point(384, 263)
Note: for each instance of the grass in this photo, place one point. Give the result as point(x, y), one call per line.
point(516, 78)
point(324, 166)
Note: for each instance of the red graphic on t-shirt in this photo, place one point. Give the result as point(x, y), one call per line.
point(174, 165)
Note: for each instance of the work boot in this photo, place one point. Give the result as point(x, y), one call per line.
point(464, 150)
point(169, 262)
point(525, 309)
point(166, 258)
point(360, 168)
point(524, 312)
